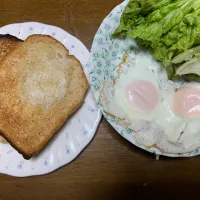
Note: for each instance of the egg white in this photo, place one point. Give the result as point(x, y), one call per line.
point(144, 67)
point(160, 127)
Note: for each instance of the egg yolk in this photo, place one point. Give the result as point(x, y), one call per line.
point(141, 95)
point(187, 102)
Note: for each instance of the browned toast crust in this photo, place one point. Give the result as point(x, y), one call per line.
point(29, 120)
point(7, 42)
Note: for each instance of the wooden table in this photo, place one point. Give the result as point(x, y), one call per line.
point(110, 167)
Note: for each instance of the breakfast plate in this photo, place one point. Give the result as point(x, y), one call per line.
point(78, 131)
point(107, 54)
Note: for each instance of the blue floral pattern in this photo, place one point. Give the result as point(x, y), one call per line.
point(106, 55)
point(75, 135)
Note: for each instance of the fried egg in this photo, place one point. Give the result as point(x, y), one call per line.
point(161, 113)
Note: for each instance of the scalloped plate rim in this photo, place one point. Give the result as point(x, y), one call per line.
point(96, 121)
point(114, 125)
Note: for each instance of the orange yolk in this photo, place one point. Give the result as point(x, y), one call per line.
point(141, 95)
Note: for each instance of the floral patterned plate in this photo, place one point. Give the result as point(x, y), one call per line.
point(76, 133)
point(106, 55)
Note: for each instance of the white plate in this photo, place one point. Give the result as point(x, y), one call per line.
point(106, 55)
point(76, 133)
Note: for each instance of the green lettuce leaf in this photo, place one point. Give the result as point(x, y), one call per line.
point(187, 55)
point(169, 28)
point(190, 67)
point(165, 32)
point(135, 13)
point(130, 16)
point(171, 73)
point(192, 77)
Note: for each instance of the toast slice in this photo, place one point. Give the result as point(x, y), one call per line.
point(7, 42)
point(41, 87)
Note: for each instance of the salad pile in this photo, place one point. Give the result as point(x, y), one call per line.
point(170, 29)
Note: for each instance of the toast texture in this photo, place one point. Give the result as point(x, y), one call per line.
point(41, 87)
point(7, 43)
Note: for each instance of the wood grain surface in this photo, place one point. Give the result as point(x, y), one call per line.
point(110, 167)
